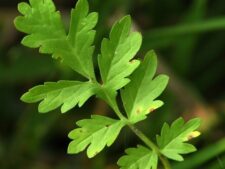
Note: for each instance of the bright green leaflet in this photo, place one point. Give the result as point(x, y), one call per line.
point(116, 53)
point(54, 94)
point(172, 141)
point(140, 94)
point(96, 132)
point(138, 158)
point(115, 61)
point(45, 29)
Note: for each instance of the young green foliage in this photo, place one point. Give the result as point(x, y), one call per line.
point(139, 158)
point(98, 131)
point(119, 71)
point(46, 31)
point(139, 95)
point(116, 53)
point(54, 94)
point(115, 59)
point(172, 139)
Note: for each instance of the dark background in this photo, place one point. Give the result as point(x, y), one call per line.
point(189, 38)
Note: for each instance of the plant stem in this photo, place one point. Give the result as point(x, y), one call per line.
point(142, 136)
point(150, 144)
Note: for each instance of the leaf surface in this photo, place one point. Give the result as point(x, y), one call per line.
point(138, 158)
point(172, 141)
point(62, 93)
point(46, 31)
point(116, 54)
point(140, 94)
point(94, 133)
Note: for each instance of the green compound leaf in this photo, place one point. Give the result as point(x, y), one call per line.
point(54, 94)
point(140, 94)
point(46, 31)
point(116, 53)
point(172, 141)
point(138, 158)
point(81, 37)
point(95, 133)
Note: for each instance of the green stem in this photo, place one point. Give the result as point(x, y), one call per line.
point(111, 100)
point(150, 144)
point(142, 136)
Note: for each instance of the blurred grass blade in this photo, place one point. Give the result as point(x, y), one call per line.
point(218, 164)
point(202, 156)
point(183, 54)
point(163, 37)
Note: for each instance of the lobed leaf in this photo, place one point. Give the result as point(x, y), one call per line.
point(139, 95)
point(116, 53)
point(45, 30)
point(139, 158)
point(62, 93)
point(81, 37)
point(172, 141)
point(94, 133)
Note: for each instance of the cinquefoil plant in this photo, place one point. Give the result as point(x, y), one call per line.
point(134, 80)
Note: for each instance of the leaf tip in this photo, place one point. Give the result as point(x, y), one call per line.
point(24, 97)
point(42, 109)
point(64, 109)
point(152, 55)
point(192, 135)
point(126, 18)
point(23, 8)
point(91, 153)
point(27, 98)
point(69, 149)
point(82, 5)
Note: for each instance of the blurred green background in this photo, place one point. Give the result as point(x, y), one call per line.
point(189, 38)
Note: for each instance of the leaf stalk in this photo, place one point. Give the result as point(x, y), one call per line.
point(142, 136)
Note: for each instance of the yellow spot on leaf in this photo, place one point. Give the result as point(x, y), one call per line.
point(192, 135)
point(139, 110)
